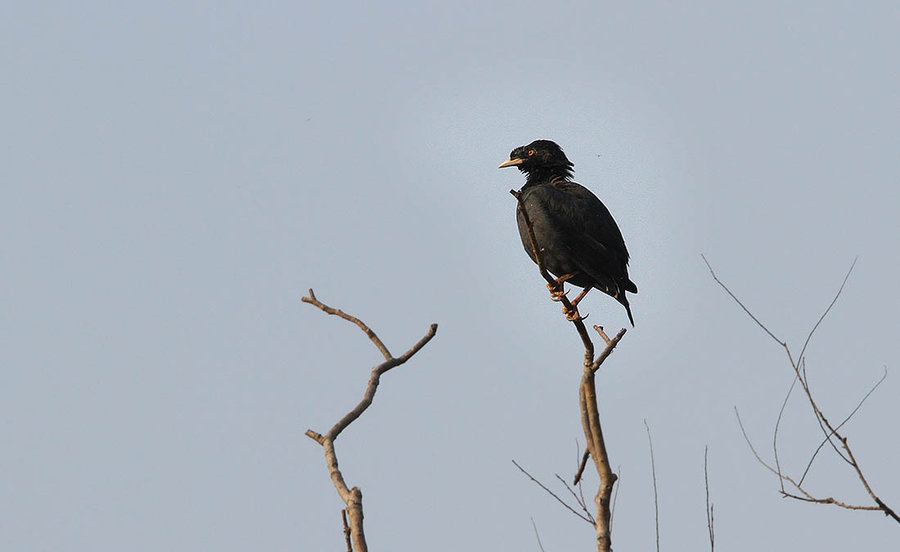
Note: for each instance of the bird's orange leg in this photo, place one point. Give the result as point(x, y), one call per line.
point(581, 296)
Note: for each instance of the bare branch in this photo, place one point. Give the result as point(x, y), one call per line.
point(840, 425)
point(551, 493)
point(738, 301)
point(610, 345)
point(750, 444)
point(778, 424)
point(337, 312)
point(389, 363)
point(346, 530)
point(838, 442)
point(830, 305)
point(653, 471)
point(536, 535)
point(354, 532)
point(710, 518)
point(795, 365)
point(612, 508)
point(578, 499)
point(581, 466)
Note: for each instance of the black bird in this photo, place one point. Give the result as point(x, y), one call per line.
point(579, 241)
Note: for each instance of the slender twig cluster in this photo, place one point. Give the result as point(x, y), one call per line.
point(831, 432)
point(353, 497)
point(590, 415)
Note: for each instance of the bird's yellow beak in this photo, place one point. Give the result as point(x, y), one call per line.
point(511, 162)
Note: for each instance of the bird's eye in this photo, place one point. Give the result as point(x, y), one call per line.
point(530, 152)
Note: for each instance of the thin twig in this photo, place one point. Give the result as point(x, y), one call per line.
point(578, 499)
point(312, 300)
point(610, 345)
point(346, 530)
point(806, 497)
point(612, 508)
point(710, 519)
point(551, 493)
point(584, 459)
point(830, 305)
point(840, 425)
point(655, 493)
point(577, 479)
point(778, 424)
point(537, 535)
point(738, 301)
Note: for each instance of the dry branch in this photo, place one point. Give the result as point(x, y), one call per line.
point(347, 536)
point(353, 497)
point(655, 491)
point(554, 495)
point(832, 435)
point(710, 514)
point(587, 392)
point(537, 535)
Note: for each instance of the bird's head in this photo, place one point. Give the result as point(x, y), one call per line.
point(541, 157)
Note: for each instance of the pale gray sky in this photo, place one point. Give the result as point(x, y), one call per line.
point(174, 176)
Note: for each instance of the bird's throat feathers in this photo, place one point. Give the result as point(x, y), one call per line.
point(546, 174)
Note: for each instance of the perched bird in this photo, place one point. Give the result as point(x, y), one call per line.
point(578, 240)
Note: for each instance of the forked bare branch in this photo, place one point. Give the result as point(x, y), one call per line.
point(353, 497)
point(579, 498)
point(832, 435)
point(840, 425)
point(551, 493)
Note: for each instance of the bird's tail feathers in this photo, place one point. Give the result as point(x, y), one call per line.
point(617, 292)
point(620, 297)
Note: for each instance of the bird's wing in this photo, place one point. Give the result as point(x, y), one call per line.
point(590, 227)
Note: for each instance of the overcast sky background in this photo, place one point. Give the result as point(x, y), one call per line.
point(174, 177)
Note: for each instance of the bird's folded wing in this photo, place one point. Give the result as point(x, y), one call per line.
point(587, 223)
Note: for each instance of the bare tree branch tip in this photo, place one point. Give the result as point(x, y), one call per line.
point(741, 304)
point(655, 492)
point(537, 536)
point(710, 508)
